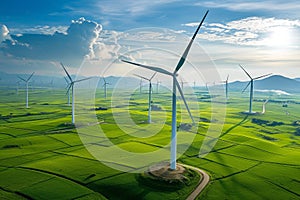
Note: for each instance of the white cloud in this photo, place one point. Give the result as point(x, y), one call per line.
point(4, 33)
point(272, 5)
point(70, 47)
point(253, 31)
point(130, 7)
point(47, 30)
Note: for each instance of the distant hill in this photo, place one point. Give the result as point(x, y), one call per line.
point(275, 82)
point(42, 81)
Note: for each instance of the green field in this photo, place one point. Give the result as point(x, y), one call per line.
point(42, 156)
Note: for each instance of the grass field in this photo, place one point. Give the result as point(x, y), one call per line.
point(42, 156)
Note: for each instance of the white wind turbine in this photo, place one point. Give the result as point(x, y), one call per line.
point(27, 82)
point(157, 86)
point(251, 87)
point(150, 94)
point(182, 84)
point(226, 86)
point(141, 85)
point(105, 87)
point(18, 85)
point(176, 86)
point(71, 87)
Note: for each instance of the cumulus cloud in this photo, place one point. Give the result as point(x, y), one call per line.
point(45, 29)
point(236, 5)
point(71, 46)
point(4, 33)
point(252, 31)
point(106, 46)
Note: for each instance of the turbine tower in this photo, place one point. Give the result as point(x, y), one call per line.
point(176, 86)
point(71, 87)
point(150, 94)
point(251, 86)
point(27, 82)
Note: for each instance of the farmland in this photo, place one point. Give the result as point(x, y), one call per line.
point(43, 155)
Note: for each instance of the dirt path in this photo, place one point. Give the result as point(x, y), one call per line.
point(202, 184)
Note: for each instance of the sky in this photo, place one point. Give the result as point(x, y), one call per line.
point(263, 36)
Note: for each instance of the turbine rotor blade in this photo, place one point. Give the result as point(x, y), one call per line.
point(66, 79)
point(142, 77)
point(152, 76)
point(66, 72)
point(184, 55)
point(245, 71)
point(156, 69)
point(262, 76)
point(246, 87)
point(84, 79)
point(227, 78)
point(22, 79)
point(70, 86)
point(182, 96)
point(30, 77)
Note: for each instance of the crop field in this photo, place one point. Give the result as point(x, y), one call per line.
point(43, 157)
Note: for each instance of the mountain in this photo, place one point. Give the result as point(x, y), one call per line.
point(275, 82)
point(42, 81)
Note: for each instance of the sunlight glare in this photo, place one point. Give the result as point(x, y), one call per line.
point(280, 37)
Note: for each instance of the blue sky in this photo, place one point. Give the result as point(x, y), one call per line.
point(36, 35)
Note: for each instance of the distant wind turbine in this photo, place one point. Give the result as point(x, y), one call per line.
point(176, 86)
point(157, 86)
point(105, 87)
point(251, 86)
point(150, 94)
point(71, 87)
point(226, 86)
point(141, 85)
point(264, 106)
point(18, 85)
point(27, 82)
point(182, 84)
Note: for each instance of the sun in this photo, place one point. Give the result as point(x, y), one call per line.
point(280, 37)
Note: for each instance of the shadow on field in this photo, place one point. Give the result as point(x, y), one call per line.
point(234, 126)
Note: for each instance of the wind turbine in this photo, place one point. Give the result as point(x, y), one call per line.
point(71, 87)
point(141, 85)
point(226, 86)
point(27, 82)
point(251, 86)
point(105, 87)
point(150, 94)
point(176, 86)
point(182, 83)
point(157, 86)
point(18, 85)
